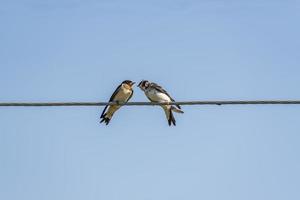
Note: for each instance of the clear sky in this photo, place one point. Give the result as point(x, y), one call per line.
point(75, 50)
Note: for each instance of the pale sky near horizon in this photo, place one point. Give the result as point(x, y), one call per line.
point(75, 50)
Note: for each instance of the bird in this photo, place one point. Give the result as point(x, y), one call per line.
point(156, 93)
point(122, 94)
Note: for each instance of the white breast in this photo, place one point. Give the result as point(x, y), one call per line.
point(157, 96)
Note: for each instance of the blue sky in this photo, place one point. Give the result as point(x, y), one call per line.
point(198, 50)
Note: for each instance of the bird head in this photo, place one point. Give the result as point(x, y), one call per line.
point(144, 84)
point(128, 82)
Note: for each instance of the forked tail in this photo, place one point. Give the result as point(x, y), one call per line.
point(171, 118)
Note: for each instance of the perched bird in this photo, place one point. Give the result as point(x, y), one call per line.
point(121, 95)
point(156, 93)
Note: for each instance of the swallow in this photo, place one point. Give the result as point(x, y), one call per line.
point(122, 94)
point(156, 93)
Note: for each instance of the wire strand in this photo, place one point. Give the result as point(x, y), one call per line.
point(238, 102)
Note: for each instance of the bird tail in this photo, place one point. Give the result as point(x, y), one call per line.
point(171, 119)
point(170, 116)
point(106, 117)
point(178, 110)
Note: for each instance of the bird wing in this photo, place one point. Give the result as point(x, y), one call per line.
point(111, 99)
point(160, 89)
point(115, 93)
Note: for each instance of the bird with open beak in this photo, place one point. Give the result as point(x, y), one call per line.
point(122, 94)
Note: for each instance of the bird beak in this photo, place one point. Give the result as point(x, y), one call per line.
point(132, 83)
